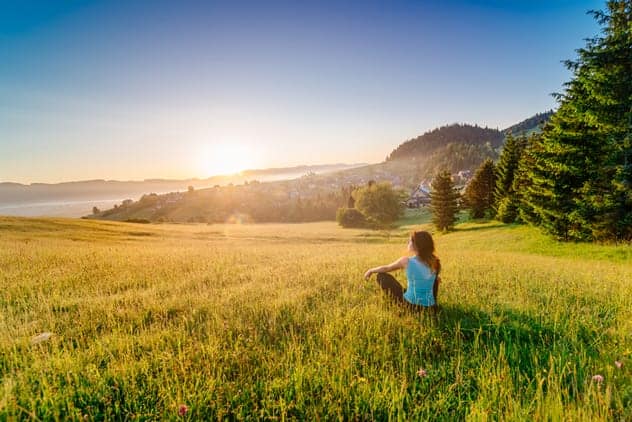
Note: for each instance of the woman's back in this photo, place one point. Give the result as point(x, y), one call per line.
point(420, 283)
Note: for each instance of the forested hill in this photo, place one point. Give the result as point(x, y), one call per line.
point(529, 125)
point(452, 134)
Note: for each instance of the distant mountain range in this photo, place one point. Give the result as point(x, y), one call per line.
point(14, 193)
point(78, 198)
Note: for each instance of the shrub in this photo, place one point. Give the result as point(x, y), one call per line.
point(350, 218)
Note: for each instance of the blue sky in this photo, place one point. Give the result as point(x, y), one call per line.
point(145, 89)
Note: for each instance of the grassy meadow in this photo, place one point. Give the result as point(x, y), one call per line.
point(276, 322)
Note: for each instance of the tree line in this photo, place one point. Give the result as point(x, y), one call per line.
point(574, 178)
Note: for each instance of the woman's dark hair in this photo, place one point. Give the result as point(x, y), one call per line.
point(424, 245)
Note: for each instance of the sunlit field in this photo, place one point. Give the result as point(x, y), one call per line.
point(276, 322)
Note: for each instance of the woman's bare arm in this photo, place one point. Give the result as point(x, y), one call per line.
point(396, 265)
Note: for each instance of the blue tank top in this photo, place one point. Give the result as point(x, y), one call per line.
point(420, 282)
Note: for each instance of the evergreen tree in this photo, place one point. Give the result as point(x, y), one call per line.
point(443, 201)
point(555, 177)
point(582, 175)
point(605, 70)
point(522, 184)
point(505, 197)
point(479, 193)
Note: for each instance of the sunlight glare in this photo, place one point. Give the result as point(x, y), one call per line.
point(225, 159)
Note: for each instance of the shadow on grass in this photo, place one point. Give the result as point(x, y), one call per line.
point(415, 216)
point(529, 342)
point(484, 225)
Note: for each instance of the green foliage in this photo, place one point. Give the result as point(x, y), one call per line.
point(505, 197)
point(582, 174)
point(380, 204)
point(507, 209)
point(350, 218)
point(146, 318)
point(479, 193)
point(443, 201)
point(523, 185)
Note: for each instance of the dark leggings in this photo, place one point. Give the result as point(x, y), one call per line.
point(391, 286)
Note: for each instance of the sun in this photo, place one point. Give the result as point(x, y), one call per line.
point(225, 159)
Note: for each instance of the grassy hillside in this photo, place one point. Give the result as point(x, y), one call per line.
point(275, 321)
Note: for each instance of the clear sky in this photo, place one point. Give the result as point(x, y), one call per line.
point(138, 89)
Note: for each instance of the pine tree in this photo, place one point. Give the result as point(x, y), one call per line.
point(560, 165)
point(523, 183)
point(479, 193)
point(605, 70)
point(505, 198)
point(443, 201)
point(582, 174)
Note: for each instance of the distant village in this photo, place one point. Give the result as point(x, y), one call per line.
point(310, 189)
point(420, 196)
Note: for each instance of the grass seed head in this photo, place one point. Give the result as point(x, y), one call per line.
point(42, 337)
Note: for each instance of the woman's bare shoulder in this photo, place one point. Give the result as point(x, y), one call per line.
point(404, 261)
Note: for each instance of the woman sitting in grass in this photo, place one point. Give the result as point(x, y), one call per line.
point(422, 272)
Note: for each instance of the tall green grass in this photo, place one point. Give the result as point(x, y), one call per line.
point(276, 322)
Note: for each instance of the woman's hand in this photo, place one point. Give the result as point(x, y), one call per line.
point(397, 265)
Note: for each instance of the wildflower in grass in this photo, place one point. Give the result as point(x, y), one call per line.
point(41, 338)
point(358, 380)
point(618, 364)
point(597, 378)
point(182, 410)
point(422, 373)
